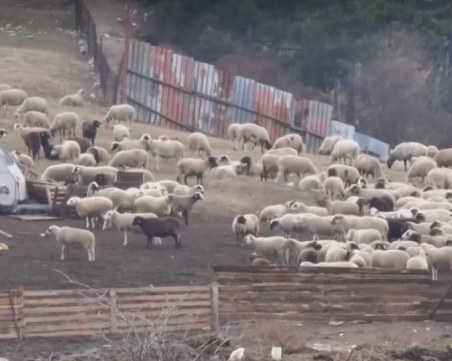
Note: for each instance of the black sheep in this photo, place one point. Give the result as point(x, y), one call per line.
point(89, 129)
point(159, 227)
point(47, 146)
point(382, 204)
point(397, 227)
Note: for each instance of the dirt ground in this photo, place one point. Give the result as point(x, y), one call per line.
point(38, 52)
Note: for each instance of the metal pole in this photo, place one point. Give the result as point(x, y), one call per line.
point(125, 63)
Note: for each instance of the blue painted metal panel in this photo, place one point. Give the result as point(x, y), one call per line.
point(346, 131)
point(243, 93)
point(369, 144)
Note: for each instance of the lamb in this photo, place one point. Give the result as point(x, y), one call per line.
point(276, 210)
point(250, 168)
point(267, 246)
point(189, 167)
point(288, 223)
point(348, 174)
point(68, 151)
point(73, 100)
point(22, 159)
point(159, 227)
point(123, 221)
point(89, 129)
point(34, 118)
point(334, 187)
point(234, 130)
point(161, 206)
point(197, 143)
point(68, 236)
point(393, 258)
point(143, 143)
point(166, 149)
point(244, 224)
point(291, 140)
point(310, 182)
point(120, 112)
point(364, 222)
point(59, 173)
point(184, 204)
point(90, 208)
point(86, 159)
point(365, 236)
point(99, 153)
point(288, 164)
point(368, 165)
point(65, 122)
point(256, 134)
point(32, 103)
point(418, 262)
point(120, 131)
point(133, 158)
point(12, 97)
point(440, 178)
point(328, 144)
point(345, 149)
point(86, 175)
point(405, 151)
point(420, 168)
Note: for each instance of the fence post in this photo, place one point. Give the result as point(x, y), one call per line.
point(113, 308)
point(214, 303)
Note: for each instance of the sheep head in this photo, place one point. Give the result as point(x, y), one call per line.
point(390, 160)
point(241, 219)
point(137, 221)
point(297, 206)
point(435, 224)
point(337, 219)
point(273, 223)
point(212, 162)
point(96, 124)
point(115, 146)
point(50, 230)
point(197, 196)
point(435, 232)
point(3, 132)
point(72, 202)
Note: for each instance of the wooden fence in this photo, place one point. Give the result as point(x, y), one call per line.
point(58, 313)
point(321, 294)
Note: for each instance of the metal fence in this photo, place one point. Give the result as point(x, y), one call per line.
point(86, 28)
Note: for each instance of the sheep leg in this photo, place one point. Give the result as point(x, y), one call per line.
point(177, 240)
point(62, 252)
point(93, 253)
point(93, 223)
point(124, 232)
point(149, 242)
point(185, 179)
point(87, 222)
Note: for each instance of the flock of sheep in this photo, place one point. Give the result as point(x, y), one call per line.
point(376, 223)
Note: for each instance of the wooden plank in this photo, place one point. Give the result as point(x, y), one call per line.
point(67, 310)
point(97, 325)
point(159, 298)
point(214, 303)
point(71, 317)
point(170, 313)
point(113, 310)
point(163, 305)
point(71, 292)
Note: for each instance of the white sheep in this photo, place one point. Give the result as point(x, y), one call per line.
point(123, 221)
point(292, 164)
point(393, 258)
point(368, 165)
point(420, 168)
point(418, 262)
point(328, 144)
point(256, 134)
point(348, 174)
point(276, 210)
point(432, 151)
point(405, 151)
point(32, 104)
point(170, 185)
point(345, 149)
point(443, 158)
point(440, 178)
point(438, 259)
point(99, 153)
point(59, 173)
point(86, 175)
point(90, 208)
point(22, 159)
point(334, 187)
point(144, 142)
point(365, 236)
point(315, 225)
point(121, 112)
point(133, 158)
point(291, 140)
point(157, 186)
point(120, 131)
point(198, 143)
point(36, 119)
point(310, 182)
point(234, 130)
point(348, 222)
point(166, 149)
point(337, 206)
point(65, 122)
point(300, 207)
point(343, 264)
point(73, 100)
point(68, 236)
point(245, 224)
point(68, 151)
point(4, 86)
point(188, 167)
point(267, 246)
point(12, 97)
point(87, 160)
point(161, 206)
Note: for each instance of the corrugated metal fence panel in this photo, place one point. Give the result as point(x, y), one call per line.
point(313, 144)
point(242, 98)
point(319, 118)
point(378, 147)
point(362, 139)
point(221, 111)
point(346, 131)
point(301, 114)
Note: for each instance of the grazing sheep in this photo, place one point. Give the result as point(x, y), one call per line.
point(159, 227)
point(65, 122)
point(315, 225)
point(143, 143)
point(348, 174)
point(291, 140)
point(393, 258)
point(365, 236)
point(440, 178)
point(120, 131)
point(12, 97)
point(86, 159)
point(345, 149)
point(281, 151)
point(368, 165)
point(368, 193)
point(166, 149)
point(276, 210)
point(86, 175)
point(190, 167)
point(184, 204)
point(161, 206)
point(293, 164)
point(89, 129)
point(244, 224)
point(99, 153)
point(197, 143)
point(68, 236)
point(90, 208)
point(310, 182)
point(251, 132)
point(120, 112)
point(334, 187)
point(365, 222)
point(338, 206)
point(328, 144)
point(234, 130)
point(73, 100)
point(133, 158)
point(432, 151)
point(405, 151)
point(59, 173)
point(267, 246)
point(123, 221)
point(68, 151)
point(22, 159)
point(444, 157)
point(420, 168)
point(34, 118)
point(251, 168)
point(300, 207)
point(32, 104)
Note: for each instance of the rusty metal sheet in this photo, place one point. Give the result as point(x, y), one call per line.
point(319, 118)
point(220, 121)
point(301, 114)
point(242, 99)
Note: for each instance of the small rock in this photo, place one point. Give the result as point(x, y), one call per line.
point(30, 36)
point(119, 20)
point(92, 95)
point(336, 323)
point(359, 322)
